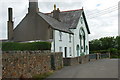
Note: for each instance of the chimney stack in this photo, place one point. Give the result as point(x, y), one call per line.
point(10, 24)
point(56, 12)
point(33, 6)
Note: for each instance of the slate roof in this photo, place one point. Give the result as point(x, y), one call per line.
point(70, 17)
point(68, 20)
point(55, 23)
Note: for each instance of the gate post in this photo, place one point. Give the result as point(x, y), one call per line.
point(109, 55)
point(98, 56)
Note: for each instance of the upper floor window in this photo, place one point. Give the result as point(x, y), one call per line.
point(70, 38)
point(60, 35)
point(81, 20)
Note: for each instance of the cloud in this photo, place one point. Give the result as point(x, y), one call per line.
point(100, 26)
point(105, 25)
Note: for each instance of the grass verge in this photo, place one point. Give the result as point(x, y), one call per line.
point(42, 76)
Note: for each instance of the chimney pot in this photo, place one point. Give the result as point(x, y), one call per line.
point(10, 14)
point(56, 12)
point(54, 6)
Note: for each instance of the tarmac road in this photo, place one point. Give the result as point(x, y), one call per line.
point(104, 68)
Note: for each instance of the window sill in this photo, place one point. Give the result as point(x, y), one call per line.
point(60, 40)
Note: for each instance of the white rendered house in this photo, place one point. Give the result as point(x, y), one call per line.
point(67, 30)
point(75, 43)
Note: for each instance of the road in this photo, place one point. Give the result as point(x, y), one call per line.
point(104, 68)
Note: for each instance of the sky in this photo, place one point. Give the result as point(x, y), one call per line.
point(102, 15)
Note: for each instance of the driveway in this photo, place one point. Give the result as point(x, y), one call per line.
point(104, 68)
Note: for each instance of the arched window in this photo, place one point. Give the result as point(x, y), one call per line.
point(82, 40)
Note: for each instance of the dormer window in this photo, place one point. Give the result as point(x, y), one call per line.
point(60, 35)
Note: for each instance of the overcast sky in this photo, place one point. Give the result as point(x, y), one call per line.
point(102, 15)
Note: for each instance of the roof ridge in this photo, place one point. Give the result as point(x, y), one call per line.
point(65, 11)
point(72, 10)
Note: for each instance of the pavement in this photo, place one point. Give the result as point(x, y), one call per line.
point(104, 68)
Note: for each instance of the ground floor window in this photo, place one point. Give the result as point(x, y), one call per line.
point(60, 49)
point(70, 51)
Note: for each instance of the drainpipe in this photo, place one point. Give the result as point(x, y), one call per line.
point(73, 46)
point(54, 39)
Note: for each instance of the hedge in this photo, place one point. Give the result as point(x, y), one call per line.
point(14, 46)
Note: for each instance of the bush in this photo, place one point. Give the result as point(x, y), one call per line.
point(10, 46)
point(82, 54)
point(113, 50)
point(99, 51)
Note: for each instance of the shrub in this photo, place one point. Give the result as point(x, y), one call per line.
point(82, 54)
point(113, 50)
point(10, 46)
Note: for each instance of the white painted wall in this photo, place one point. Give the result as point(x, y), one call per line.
point(76, 37)
point(65, 41)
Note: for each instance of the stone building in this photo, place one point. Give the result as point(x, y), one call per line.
point(66, 30)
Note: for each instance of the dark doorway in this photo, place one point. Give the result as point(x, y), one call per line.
point(78, 49)
point(65, 52)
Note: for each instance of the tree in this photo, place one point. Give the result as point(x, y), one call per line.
point(118, 42)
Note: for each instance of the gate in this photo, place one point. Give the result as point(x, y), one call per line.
point(52, 62)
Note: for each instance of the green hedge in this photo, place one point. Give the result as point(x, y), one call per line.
point(14, 46)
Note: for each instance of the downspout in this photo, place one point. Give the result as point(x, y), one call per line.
point(73, 47)
point(54, 39)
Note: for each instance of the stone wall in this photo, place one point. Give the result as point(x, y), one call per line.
point(70, 61)
point(25, 64)
point(85, 59)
